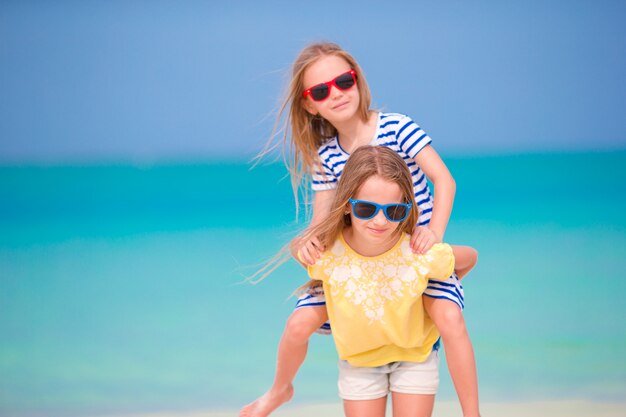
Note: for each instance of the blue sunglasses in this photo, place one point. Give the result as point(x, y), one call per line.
point(366, 210)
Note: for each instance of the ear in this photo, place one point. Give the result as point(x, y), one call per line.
point(309, 106)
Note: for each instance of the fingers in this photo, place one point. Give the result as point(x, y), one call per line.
point(311, 251)
point(422, 240)
point(306, 256)
point(414, 237)
point(426, 243)
point(417, 239)
point(318, 244)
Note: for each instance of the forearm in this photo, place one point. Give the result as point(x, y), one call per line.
point(305, 248)
point(322, 203)
point(445, 188)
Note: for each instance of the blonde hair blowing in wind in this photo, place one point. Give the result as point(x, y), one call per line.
point(364, 163)
point(304, 133)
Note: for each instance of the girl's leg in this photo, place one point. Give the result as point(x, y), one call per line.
point(459, 351)
point(412, 405)
point(365, 408)
point(292, 350)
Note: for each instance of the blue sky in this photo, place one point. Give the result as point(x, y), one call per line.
point(156, 81)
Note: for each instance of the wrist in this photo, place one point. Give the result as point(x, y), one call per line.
point(438, 234)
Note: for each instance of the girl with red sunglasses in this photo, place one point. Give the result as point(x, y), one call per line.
point(328, 117)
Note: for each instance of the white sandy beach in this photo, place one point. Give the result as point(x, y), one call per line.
point(443, 409)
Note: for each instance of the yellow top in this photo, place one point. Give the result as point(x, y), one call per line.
point(375, 303)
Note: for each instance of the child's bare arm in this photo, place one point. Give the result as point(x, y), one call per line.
point(465, 258)
point(444, 188)
point(306, 251)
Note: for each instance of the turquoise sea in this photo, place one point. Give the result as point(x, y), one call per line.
point(121, 286)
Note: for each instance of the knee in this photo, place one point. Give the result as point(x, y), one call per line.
point(451, 322)
point(299, 329)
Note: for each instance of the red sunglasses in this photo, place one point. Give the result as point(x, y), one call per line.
point(321, 91)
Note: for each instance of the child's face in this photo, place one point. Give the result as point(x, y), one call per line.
point(378, 229)
point(341, 105)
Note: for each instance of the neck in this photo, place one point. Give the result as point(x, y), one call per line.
point(356, 132)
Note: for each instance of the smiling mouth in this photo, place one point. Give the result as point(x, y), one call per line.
point(340, 105)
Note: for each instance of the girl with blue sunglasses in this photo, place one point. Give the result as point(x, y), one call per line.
point(328, 117)
point(373, 283)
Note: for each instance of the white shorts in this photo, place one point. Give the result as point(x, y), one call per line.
point(362, 383)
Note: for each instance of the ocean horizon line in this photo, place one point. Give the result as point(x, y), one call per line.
point(271, 159)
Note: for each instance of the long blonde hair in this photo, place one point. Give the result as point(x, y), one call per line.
point(303, 133)
point(364, 163)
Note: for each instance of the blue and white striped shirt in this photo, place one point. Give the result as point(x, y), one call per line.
point(395, 131)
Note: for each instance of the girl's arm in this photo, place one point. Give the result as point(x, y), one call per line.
point(308, 251)
point(465, 258)
point(437, 172)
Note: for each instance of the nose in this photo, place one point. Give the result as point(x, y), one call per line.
point(335, 91)
point(379, 218)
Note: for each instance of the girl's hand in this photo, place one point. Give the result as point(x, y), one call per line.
point(310, 251)
point(423, 239)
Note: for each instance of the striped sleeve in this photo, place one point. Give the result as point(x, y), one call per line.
point(323, 178)
point(410, 137)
